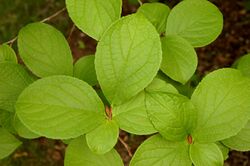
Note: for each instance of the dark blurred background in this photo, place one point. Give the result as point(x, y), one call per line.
point(233, 43)
point(16, 13)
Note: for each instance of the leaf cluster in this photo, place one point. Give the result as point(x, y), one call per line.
point(132, 83)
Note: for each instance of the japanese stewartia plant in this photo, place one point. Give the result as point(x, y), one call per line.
point(123, 87)
point(241, 141)
point(190, 128)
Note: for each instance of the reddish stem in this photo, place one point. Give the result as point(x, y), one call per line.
point(108, 111)
point(189, 139)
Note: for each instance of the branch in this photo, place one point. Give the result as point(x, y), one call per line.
point(71, 33)
point(54, 15)
point(11, 41)
point(140, 2)
point(126, 147)
point(42, 21)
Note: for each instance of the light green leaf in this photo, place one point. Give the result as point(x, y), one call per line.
point(132, 116)
point(185, 90)
point(179, 59)
point(6, 121)
point(45, 50)
point(127, 58)
point(224, 150)
point(13, 80)
point(8, 143)
point(173, 115)
point(241, 141)
point(198, 21)
point(156, 151)
point(102, 139)
point(156, 13)
point(94, 17)
point(160, 85)
point(22, 130)
point(7, 54)
point(60, 107)
point(78, 154)
point(206, 154)
point(84, 69)
point(222, 100)
point(67, 141)
point(243, 64)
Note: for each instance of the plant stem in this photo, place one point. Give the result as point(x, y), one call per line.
point(108, 111)
point(54, 15)
point(126, 146)
point(70, 33)
point(139, 1)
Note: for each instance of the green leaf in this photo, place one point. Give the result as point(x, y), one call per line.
point(186, 89)
point(224, 150)
point(222, 100)
point(241, 141)
point(22, 130)
point(156, 13)
point(179, 59)
point(14, 79)
point(156, 151)
point(128, 57)
point(102, 139)
point(198, 21)
point(160, 85)
point(45, 50)
point(67, 141)
point(78, 154)
point(173, 115)
point(206, 154)
point(132, 116)
point(8, 143)
point(60, 107)
point(6, 121)
point(84, 69)
point(94, 17)
point(243, 64)
point(7, 54)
